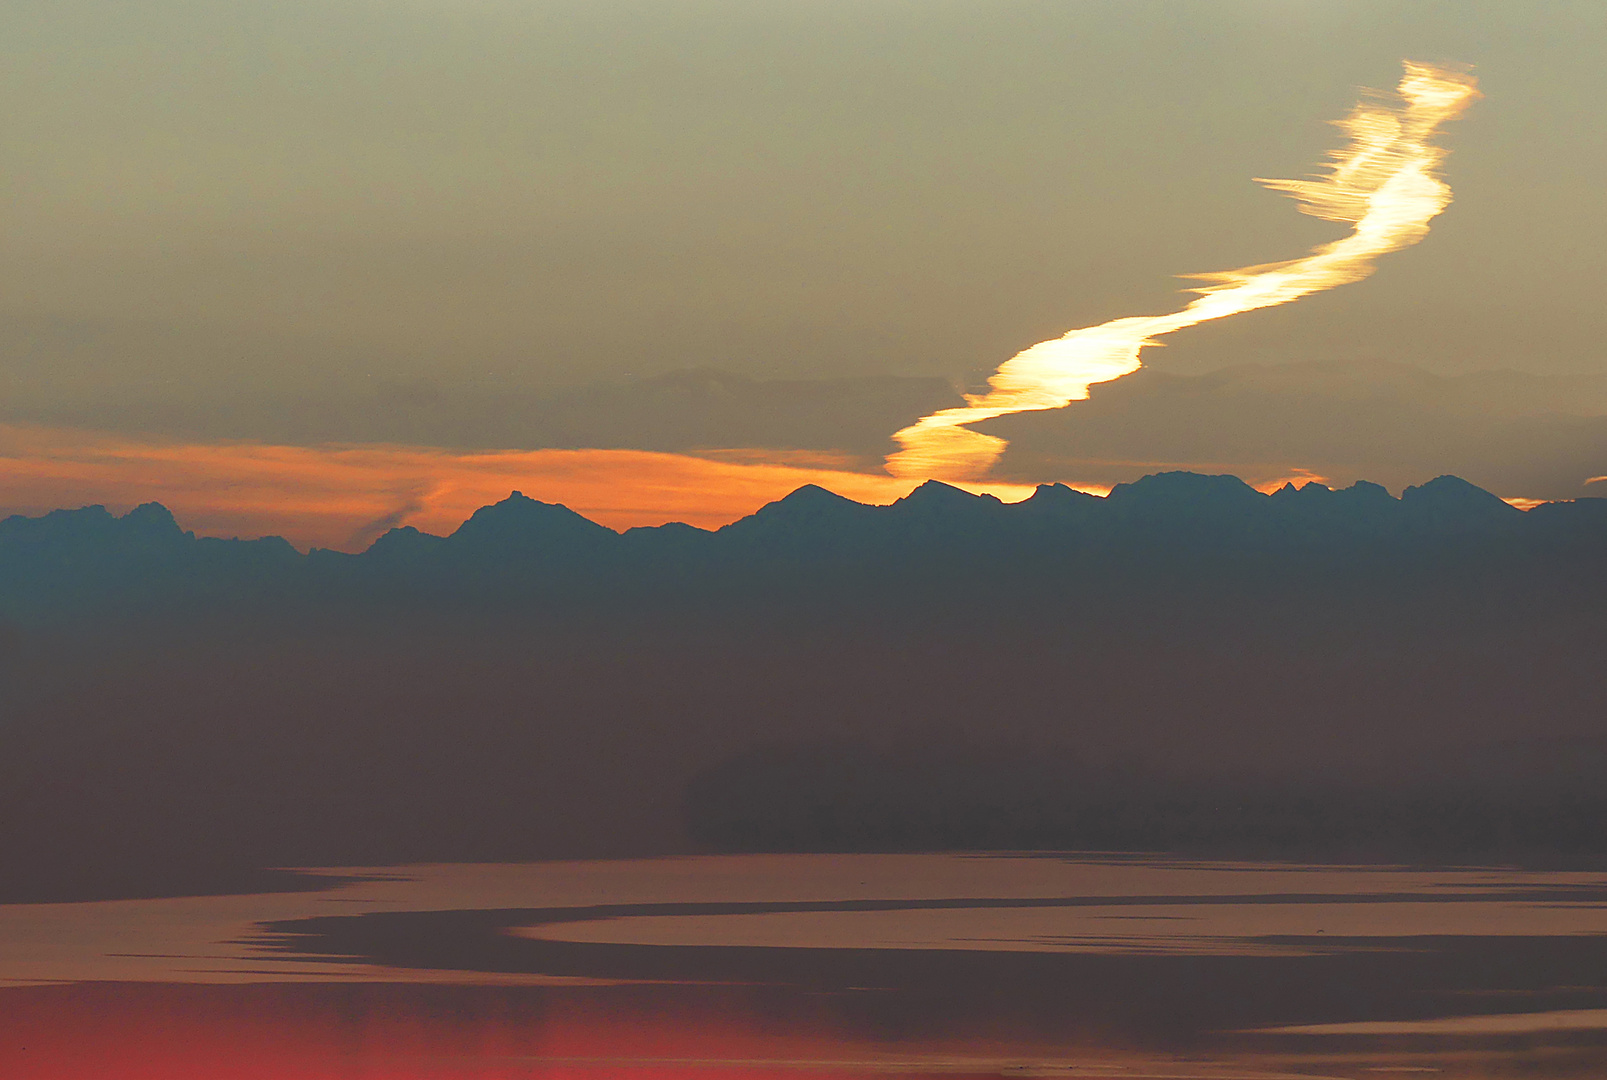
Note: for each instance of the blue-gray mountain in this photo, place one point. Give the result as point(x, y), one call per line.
point(1176, 529)
point(1187, 664)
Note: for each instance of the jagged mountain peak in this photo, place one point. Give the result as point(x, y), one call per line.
point(403, 542)
point(153, 519)
point(93, 554)
point(148, 522)
point(808, 507)
point(520, 520)
point(934, 495)
point(1454, 496)
point(1187, 493)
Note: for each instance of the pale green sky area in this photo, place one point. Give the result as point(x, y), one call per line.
point(277, 198)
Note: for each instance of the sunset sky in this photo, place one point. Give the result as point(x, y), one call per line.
point(319, 268)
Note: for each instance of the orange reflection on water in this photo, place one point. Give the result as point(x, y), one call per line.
point(343, 496)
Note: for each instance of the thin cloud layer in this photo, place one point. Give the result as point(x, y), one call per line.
point(660, 450)
point(344, 496)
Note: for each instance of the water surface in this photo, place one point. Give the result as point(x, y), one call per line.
point(846, 965)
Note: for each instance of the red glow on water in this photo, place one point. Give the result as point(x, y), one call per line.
point(296, 1032)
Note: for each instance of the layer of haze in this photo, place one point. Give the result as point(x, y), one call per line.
point(397, 220)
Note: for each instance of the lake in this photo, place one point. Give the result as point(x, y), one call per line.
point(1036, 964)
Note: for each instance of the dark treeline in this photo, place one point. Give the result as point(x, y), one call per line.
point(1188, 664)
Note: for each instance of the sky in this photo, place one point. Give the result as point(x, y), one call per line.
point(749, 231)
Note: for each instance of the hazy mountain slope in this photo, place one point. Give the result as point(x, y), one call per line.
point(537, 686)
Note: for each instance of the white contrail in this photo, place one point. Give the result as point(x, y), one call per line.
point(1385, 182)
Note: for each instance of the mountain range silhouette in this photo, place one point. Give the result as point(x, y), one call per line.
point(1187, 664)
point(1170, 523)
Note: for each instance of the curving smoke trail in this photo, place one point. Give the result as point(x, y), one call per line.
point(1384, 182)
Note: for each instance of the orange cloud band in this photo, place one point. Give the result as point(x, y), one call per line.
point(344, 496)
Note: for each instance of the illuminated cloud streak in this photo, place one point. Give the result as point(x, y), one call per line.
point(1384, 182)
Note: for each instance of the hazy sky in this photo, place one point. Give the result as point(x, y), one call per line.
point(246, 208)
